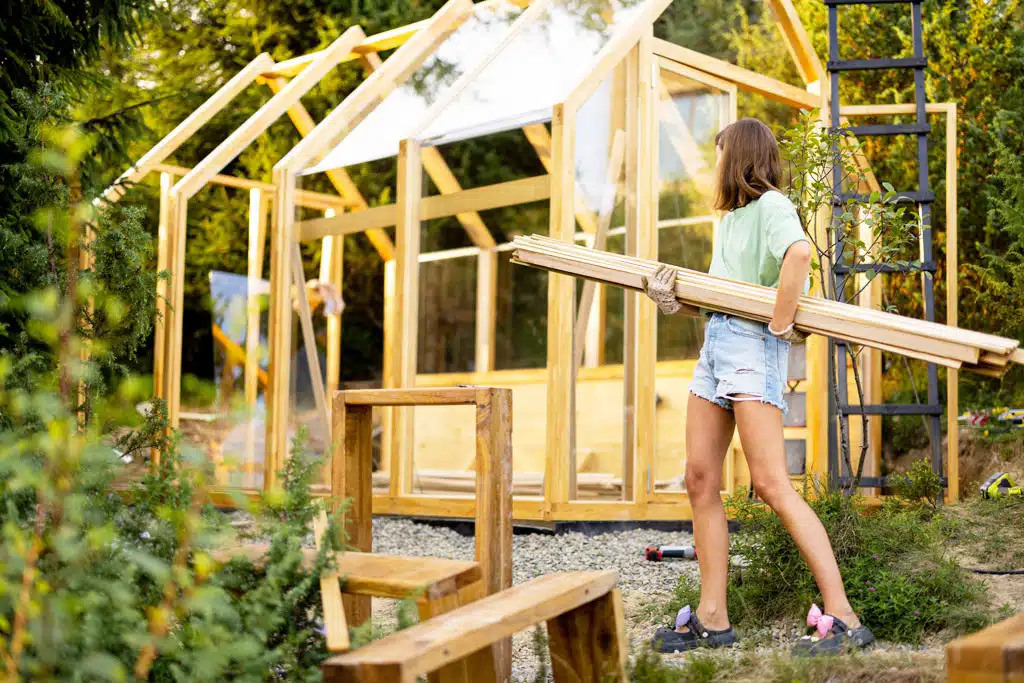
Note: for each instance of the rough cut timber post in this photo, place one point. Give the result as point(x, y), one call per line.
point(406, 310)
point(351, 480)
point(494, 500)
point(178, 212)
point(332, 269)
point(561, 300)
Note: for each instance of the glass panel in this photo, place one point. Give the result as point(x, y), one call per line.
point(690, 113)
point(391, 121)
point(447, 329)
point(521, 314)
point(236, 438)
point(599, 418)
point(536, 70)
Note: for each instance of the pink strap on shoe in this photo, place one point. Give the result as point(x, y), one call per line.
point(823, 622)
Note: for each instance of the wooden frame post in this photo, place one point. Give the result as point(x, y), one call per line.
point(406, 310)
point(646, 244)
point(164, 248)
point(332, 269)
point(486, 305)
point(279, 327)
point(952, 304)
point(561, 305)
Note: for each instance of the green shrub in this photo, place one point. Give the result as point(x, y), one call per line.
point(896, 576)
point(920, 485)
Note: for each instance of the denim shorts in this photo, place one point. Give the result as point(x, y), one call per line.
point(741, 357)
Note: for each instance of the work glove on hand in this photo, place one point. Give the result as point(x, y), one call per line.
point(789, 334)
point(661, 288)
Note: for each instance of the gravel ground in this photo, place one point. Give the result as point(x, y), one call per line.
point(643, 583)
point(646, 586)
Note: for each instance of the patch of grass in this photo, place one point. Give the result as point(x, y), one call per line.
point(749, 667)
point(897, 576)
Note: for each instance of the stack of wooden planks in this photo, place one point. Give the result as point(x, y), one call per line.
point(948, 346)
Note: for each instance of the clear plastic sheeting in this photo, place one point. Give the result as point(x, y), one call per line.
point(538, 69)
point(378, 135)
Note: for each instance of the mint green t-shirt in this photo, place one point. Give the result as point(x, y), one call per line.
point(752, 240)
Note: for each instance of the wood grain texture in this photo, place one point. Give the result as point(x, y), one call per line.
point(452, 636)
point(494, 500)
point(588, 644)
point(351, 481)
point(993, 655)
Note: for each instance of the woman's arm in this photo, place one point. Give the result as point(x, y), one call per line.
point(795, 266)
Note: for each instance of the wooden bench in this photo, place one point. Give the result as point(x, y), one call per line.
point(352, 477)
point(992, 655)
point(586, 636)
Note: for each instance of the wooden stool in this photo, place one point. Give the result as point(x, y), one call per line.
point(992, 655)
point(586, 635)
point(352, 478)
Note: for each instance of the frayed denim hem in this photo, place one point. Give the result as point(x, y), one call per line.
point(721, 403)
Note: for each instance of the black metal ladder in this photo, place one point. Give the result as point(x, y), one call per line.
point(838, 468)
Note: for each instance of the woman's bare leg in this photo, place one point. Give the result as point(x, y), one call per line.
point(760, 427)
point(709, 429)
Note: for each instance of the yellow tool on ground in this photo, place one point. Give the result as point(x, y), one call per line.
point(1000, 485)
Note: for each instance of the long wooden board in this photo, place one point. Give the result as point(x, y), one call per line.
point(934, 343)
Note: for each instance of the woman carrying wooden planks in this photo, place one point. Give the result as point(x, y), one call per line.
point(738, 383)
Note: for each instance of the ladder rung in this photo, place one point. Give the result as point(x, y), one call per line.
point(881, 63)
point(893, 409)
point(925, 267)
point(890, 129)
point(901, 197)
point(834, 3)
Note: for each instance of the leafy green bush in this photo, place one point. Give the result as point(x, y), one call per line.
point(920, 485)
point(896, 576)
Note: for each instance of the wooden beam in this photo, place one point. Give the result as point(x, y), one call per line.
point(245, 134)
point(561, 302)
point(797, 40)
point(486, 304)
point(952, 305)
point(637, 471)
point(406, 310)
point(280, 328)
point(447, 184)
point(184, 130)
point(176, 224)
point(894, 109)
point(163, 261)
point(306, 198)
point(511, 193)
point(341, 180)
point(752, 81)
point(395, 71)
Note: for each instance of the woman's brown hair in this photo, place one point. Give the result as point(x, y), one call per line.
point(750, 164)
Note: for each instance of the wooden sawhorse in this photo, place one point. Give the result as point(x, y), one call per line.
point(352, 472)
